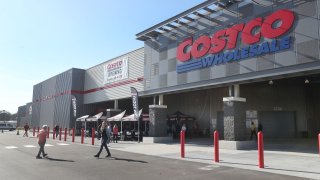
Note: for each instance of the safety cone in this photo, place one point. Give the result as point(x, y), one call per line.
point(18, 132)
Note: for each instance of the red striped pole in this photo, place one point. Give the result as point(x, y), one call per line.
point(60, 132)
point(65, 134)
point(82, 135)
point(260, 150)
point(319, 142)
point(216, 146)
point(182, 142)
point(92, 135)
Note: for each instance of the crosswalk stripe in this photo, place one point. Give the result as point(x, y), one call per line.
point(63, 144)
point(11, 147)
point(47, 145)
point(29, 146)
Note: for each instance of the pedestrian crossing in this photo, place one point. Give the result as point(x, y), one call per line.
point(33, 146)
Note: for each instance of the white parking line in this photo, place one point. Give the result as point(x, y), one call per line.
point(47, 145)
point(209, 167)
point(11, 147)
point(63, 144)
point(29, 146)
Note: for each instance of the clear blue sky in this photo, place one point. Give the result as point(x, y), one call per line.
point(42, 38)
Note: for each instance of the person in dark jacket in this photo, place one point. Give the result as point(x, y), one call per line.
point(26, 129)
point(105, 137)
point(56, 128)
point(260, 127)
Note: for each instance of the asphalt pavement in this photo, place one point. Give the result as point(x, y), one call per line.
point(132, 160)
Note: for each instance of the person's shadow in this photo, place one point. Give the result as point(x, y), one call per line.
point(128, 160)
point(54, 159)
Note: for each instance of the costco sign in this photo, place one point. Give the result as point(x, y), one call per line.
point(222, 44)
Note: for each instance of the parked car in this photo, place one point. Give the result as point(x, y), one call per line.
point(7, 126)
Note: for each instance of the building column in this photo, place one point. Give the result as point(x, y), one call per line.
point(116, 104)
point(234, 115)
point(157, 120)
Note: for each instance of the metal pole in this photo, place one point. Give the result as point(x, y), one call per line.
point(138, 129)
point(216, 146)
point(260, 150)
point(182, 141)
point(65, 134)
point(73, 135)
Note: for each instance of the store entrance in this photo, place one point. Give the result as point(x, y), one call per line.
point(278, 124)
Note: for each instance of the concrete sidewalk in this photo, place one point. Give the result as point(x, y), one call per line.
point(299, 164)
point(296, 158)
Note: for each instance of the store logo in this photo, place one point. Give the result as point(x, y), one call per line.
point(271, 27)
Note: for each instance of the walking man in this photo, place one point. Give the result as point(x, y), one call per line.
point(105, 138)
point(56, 128)
point(253, 130)
point(42, 141)
point(26, 129)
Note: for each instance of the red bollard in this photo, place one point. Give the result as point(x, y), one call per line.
point(182, 142)
point(216, 146)
point(60, 132)
point(48, 132)
point(73, 134)
point(34, 131)
point(260, 150)
point(65, 134)
point(54, 134)
point(319, 142)
point(82, 135)
point(92, 135)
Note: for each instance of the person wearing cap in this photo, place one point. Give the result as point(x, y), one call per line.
point(42, 141)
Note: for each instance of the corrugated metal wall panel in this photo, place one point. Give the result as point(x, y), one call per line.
point(52, 99)
point(36, 105)
point(94, 79)
point(62, 103)
point(20, 115)
point(47, 104)
point(28, 112)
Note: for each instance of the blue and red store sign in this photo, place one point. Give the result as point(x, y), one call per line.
point(226, 39)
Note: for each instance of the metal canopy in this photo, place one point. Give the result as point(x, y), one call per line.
point(183, 19)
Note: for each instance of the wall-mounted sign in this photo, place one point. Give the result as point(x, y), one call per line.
point(251, 116)
point(271, 27)
point(116, 70)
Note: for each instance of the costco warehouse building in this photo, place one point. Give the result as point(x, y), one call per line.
point(225, 63)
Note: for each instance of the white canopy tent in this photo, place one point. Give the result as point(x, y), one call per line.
point(117, 117)
point(95, 117)
point(86, 119)
point(131, 117)
point(82, 118)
